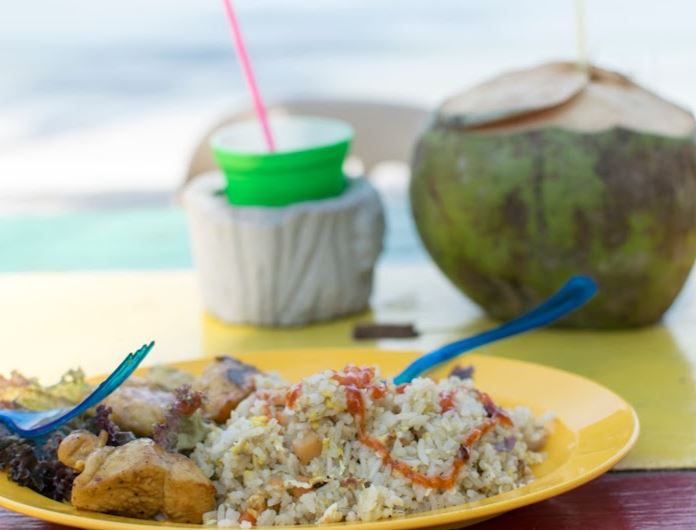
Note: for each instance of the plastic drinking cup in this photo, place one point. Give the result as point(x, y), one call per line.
point(307, 164)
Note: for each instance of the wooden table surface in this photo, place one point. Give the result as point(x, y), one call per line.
point(56, 320)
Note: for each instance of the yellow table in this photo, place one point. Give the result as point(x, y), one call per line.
point(52, 322)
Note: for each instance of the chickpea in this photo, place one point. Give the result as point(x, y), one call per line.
point(307, 447)
point(256, 502)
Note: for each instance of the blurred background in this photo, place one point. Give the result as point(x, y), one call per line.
point(111, 96)
point(101, 103)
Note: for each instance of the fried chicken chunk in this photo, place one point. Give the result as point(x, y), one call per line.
point(139, 479)
point(139, 408)
point(75, 449)
point(225, 383)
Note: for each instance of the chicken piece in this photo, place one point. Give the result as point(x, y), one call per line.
point(225, 383)
point(138, 408)
point(76, 448)
point(140, 479)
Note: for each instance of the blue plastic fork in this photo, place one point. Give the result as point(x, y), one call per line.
point(35, 424)
point(574, 294)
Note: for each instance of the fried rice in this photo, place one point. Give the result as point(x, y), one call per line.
point(377, 450)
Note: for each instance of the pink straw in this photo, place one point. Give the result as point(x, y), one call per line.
point(248, 72)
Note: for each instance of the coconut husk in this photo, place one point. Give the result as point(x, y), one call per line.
point(541, 174)
point(564, 96)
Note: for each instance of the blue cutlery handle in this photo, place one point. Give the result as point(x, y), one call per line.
point(574, 294)
point(24, 423)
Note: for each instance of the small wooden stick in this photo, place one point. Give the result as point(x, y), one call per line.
point(581, 35)
point(368, 330)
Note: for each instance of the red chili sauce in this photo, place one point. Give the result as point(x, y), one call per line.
point(269, 405)
point(446, 400)
point(356, 380)
point(292, 396)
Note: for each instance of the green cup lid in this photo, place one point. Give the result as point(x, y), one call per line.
point(307, 164)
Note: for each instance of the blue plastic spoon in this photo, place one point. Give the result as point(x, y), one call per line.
point(574, 294)
point(35, 424)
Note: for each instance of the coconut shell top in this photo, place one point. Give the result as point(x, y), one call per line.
point(564, 96)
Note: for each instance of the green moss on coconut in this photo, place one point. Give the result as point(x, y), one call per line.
point(510, 210)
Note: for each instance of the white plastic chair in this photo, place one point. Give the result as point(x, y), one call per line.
point(384, 132)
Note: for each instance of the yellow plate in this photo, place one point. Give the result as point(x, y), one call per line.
point(594, 429)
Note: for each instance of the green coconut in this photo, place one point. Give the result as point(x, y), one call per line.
point(549, 172)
